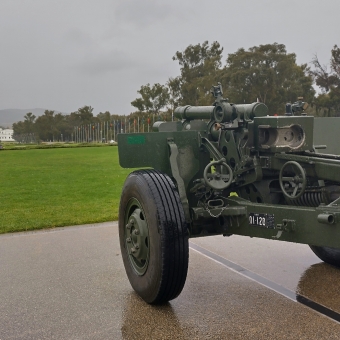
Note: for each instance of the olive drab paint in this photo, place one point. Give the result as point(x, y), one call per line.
point(241, 170)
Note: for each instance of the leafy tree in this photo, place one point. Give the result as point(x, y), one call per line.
point(175, 96)
point(104, 116)
point(73, 119)
point(29, 122)
point(19, 131)
point(153, 98)
point(45, 126)
point(200, 67)
point(24, 131)
point(328, 102)
point(323, 105)
point(63, 126)
point(85, 114)
point(266, 73)
point(321, 75)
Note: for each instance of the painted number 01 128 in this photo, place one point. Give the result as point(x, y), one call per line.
point(258, 219)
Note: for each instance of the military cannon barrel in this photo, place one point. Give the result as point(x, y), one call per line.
point(194, 112)
point(222, 112)
point(251, 110)
point(225, 112)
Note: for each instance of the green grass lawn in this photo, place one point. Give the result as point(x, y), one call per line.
point(45, 188)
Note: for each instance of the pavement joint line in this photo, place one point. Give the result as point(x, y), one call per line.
point(245, 272)
point(320, 309)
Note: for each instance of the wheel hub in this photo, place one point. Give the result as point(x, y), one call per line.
point(137, 241)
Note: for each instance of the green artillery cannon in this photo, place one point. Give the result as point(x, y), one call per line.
point(221, 170)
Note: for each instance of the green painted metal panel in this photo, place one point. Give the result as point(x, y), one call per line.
point(152, 150)
point(327, 132)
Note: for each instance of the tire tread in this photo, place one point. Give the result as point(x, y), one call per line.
point(173, 233)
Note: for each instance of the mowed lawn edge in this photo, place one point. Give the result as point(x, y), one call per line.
point(46, 188)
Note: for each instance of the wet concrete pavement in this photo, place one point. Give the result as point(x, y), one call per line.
point(293, 266)
point(70, 283)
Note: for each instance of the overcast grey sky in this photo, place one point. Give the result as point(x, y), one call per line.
point(64, 54)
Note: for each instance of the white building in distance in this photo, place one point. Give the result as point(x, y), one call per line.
point(6, 135)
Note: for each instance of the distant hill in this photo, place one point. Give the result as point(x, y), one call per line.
point(10, 116)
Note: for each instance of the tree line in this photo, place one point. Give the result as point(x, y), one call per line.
point(81, 126)
point(265, 73)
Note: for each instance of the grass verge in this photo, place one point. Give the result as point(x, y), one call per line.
point(46, 188)
point(53, 145)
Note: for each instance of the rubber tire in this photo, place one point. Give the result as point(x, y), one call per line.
point(167, 269)
point(327, 254)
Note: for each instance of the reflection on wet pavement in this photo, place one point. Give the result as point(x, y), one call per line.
point(217, 303)
point(280, 262)
point(142, 321)
point(280, 266)
point(320, 283)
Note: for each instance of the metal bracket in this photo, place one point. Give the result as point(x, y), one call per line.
point(226, 211)
point(210, 147)
point(278, 235)
point(287, 225)
point(180, 183)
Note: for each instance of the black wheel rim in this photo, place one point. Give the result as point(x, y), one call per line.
point(136, 236)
